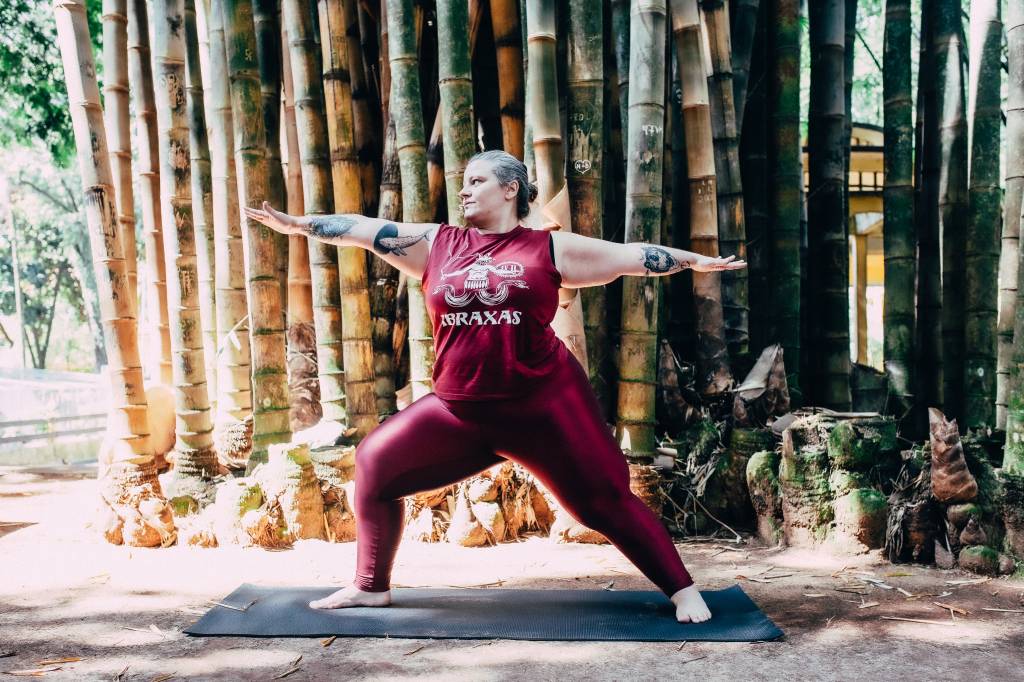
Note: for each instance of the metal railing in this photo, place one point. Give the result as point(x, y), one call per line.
point(50, 428)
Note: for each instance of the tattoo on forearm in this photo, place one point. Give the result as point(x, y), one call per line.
point(658, 260)
point(387, 240)
point(330, 227)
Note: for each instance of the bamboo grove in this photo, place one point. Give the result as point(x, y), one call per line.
point(665, 121)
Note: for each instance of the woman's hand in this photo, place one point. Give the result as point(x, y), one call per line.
point(275, 220)
point(710, 264)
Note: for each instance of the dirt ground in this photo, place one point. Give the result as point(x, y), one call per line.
point(64, 593)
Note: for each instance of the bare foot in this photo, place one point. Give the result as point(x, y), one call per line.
point(690, 606)
point(352, 596)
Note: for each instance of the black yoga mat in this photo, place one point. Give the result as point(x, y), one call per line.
point(564, 615)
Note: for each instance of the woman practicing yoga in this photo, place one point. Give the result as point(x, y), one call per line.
point(505, 387)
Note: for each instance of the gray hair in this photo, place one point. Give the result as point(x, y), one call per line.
point(507, 168)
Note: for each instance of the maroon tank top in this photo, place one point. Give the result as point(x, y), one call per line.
point(491, 299)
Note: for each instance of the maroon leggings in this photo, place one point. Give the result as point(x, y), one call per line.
point(556, 433)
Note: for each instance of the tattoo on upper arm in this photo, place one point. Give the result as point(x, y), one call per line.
point(387, 240)
point(329, 227)
point(658, 260)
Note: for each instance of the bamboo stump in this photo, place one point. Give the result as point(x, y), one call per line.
point(765, 495)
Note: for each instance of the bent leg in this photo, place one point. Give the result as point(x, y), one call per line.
point(422, 447)
point(562, 439)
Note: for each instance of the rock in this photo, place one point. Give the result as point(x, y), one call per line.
point(288, 479)
point(1007, 564)
point(973, 534)
point(943, 557)
point(979, 559)
point(960, 514)
point(860, 519)
point(234, 499)
point(951, 480)
point(1013, 512)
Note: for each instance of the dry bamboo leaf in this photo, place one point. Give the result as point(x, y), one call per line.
point(950, 607)
point(897, 574)
point(120, 676)
point(483, 644)
point(286, 673)
point(1005, 610)
point(609, 586)
point(974, 581)
point(33, 672)
point(756, 580)
point(905, 593)
point(55, 661)
point(419, 648)
point(233, 608)
point(329, 641)
point(691, 660)
point(680, 647)
point(868, 604)
point(814, 595)
point(5, 654)
point(296, 661)
point(161, 678)
point(919, 620)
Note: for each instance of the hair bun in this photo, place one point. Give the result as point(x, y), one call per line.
point(532, 191)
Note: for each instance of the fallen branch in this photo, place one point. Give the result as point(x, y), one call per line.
point(920, 620)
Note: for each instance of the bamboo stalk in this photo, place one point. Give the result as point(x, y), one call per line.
point(731, 224)
point(384, 281)
point(234, 382)
point(984, 199)
point(898, 207)
point(528, 160)
point(744, 28)
point(508, 45)
point(365, 114)
point(266, 320)
point(357, 349)
point(406, 110)
point(118, 126)
point(456, 84)
point(140, 74)
point(638, 349)
point(195, 461)
point(202, 194)
point(620, 44)
point(714, 376)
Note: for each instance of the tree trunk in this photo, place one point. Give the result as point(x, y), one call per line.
point(952, 204)
point(128, 426)
point(1011, 205)
point(118, 125)
point(898, 206)
point(828, 261)
point(929, 277)
point(621, 23)
point(266, 321)
point(744, 27)
point(233, 362)
point(638, 354)
point(202, 197)
point(140, 73)
point(365, 115)
point(713, 375)
point(195, 461)
point(586, 168)
point(984, 198)
point(786, 184)
point(303, 384)
point(509, 48)
point(731, 221)
point(406, 110)
point(357, 349)
point(266, 21)
point(454, 79)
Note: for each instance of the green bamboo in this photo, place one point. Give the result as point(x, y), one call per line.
point(118, 126)
point(1013, 453)
point(268, 51)
point(233, 360)
point(509, 53)
point(744, 28)
point(984, 198)
point(542, 99)
point(406, 110)
point(621, 22)
point(898, 207)
point(786, 184)
point(317, 191)
point(828, 260)
point(195, 461)
point(202, 198)
point(1011, 205)
point(640, 295)
point(952, 201)
point(357, 349)
point(140, 75)
point(586, 167)
point(528, 160)
point(455, 81)
point(731, 223)
point(365, 115)
point(266, 319)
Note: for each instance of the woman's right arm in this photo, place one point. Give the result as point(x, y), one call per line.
point(403, 245)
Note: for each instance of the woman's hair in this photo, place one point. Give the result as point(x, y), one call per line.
point(507, 168)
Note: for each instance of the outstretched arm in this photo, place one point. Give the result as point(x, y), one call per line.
point(403, 245)
point(585, 261)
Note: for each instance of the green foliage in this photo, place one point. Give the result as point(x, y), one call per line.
point(33, 98)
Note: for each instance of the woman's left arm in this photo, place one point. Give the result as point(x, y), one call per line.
point(585, 261)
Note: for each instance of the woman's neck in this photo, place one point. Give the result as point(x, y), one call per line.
point(496, 226)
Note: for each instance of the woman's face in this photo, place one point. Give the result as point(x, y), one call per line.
point(484, 200)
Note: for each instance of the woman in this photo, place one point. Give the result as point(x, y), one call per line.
point(505, 387)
